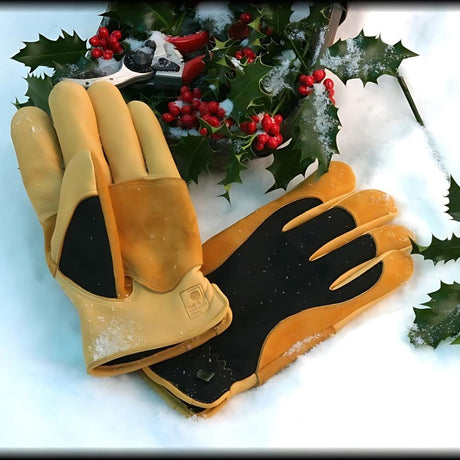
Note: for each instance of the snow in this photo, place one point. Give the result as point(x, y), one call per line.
point(366, 388)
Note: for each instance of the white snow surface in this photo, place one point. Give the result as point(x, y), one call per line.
point(366, 389)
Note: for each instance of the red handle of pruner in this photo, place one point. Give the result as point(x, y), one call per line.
point(188, 43)
point(192, 69)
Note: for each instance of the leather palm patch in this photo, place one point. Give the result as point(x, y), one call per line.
point(194, 301)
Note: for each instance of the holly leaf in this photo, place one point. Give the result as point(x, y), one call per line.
point(145, 16)
point(439, 250)
point(441, 320)
point(364, 57)
point(38, 91)
point(246, 88)
point(286, 165)
point(314, 126)
point(233, 172)
point(454, 200)
point(192, 155)
point(66, 49)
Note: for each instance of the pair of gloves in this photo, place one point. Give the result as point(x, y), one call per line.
point(203, 322)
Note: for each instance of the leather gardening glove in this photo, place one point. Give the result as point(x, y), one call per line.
point(295, 271)
point(121, 235)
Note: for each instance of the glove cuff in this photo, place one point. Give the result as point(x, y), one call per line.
point(124, 335)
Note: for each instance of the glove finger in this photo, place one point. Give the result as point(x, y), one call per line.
point(75, 122)
point(154, 146)
point(387, 239)
point(118, 136)
point(39, 158)
point(369, 209)
point(318, 195)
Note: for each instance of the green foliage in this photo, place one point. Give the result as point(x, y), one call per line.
point(66, 49)
point(440, 250)
point(38, 91)
point(284, 49)
point(440, 320)
point(364, 57)
point(454, 200)
point(246, 89)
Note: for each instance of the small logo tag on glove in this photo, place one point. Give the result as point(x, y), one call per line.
point(194, 301)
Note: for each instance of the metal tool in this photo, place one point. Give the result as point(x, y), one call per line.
point(159, 60)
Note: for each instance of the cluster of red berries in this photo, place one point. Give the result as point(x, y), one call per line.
point(306, 83)
point(106, 43)
point(246, 53)
point(186, 110)
point(267, 130)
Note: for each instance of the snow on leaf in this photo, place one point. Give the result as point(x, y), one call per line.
point(314, 126)
point(440, 320)
point(364, 57)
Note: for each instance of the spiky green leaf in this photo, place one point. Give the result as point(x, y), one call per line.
point(233, 171)
point(192, 155)
point(286, 165)
point(454, 199)
point(314, 126)
point(143, 16)
point(246, 88)
point(439, 250)
point(66, 49)
point(38, 91)
point(440, 320)
point(364, 57)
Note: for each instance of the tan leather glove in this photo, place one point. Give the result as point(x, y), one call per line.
point(121, 235)
point(295, 271)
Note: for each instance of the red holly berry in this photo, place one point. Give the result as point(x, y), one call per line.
point(112, 42)
point(196, 93)
point(213, 121)
point(96, 53)
point(173, 109)
point(107, 54)
point(94, 40)
point(278, 119)
point(203, 108)
point(245, 17)
point(168, 117)
point(239, 54)
point(186, 109)
point(272, 142)
point(305, 90)
point(103, 32)
point(274, 129)
point(258, 146)
point(213, 106)
point(319, 75)
point(203, 131)
point(118, 49)
point(306, 80)
point(116, 34)
point(255, 118)
point(262, 138)
point(268, 31)
point(328, 83)
point(221, 112)
point(187, 96)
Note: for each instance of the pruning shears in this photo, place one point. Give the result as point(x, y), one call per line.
point(160, 59)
